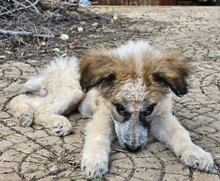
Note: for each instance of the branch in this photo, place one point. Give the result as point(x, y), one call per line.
point(25, 33)
point(26, 7)
point(21, 8)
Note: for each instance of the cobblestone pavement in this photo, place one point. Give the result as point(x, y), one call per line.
point(33, 154)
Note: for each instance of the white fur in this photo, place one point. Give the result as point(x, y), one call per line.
point(136, 48)
point(139, 49)
point(33, 84)
point(60, 79)
point(88, 105)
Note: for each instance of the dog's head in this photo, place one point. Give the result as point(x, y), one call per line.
point(136, 79)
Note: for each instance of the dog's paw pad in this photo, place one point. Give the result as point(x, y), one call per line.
point(25, 119)
point(197, 158)
point(62, 127)
point(94, 166)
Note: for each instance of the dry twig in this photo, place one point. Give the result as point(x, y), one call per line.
point(17, 6)
point(25, 33)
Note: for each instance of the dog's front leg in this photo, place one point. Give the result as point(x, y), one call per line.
point(169, 131)
point(97, 145)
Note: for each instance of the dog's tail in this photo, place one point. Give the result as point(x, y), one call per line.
point(34, 84)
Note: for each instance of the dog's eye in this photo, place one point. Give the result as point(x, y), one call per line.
point(149, 109)
point(121, 110)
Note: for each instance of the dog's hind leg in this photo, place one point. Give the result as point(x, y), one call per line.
point(23, 107)
point(46, 111)
point(50, 115)
point(55, 91)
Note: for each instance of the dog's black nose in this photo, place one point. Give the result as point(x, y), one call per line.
point(132, 148)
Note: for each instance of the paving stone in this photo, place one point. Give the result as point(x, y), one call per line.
point(22, 130)
point(210, 143)
point(215, 136)
point(175, 167)
point(13, 88)
point(31, 167)
point(43, 152)
point(12, 155)
point(36, 134)
point(36, 175)
point(16, 138)
point(57, 149)
point(148, 161)
point(5, 170)
point(5, 130)
point(197, 176)
point(36, 158)
point(117, 156)
point(50, 140)
point(112, 177)
point(166, 156)
point(216, 152)
point(204, 130)
point(4, 115)
point(173, 177)
point(122, 163)
point(5, 145)
point(69, 139)
point(156, 147)
point(70, 172)
point(49, 178)
point(146, 174)
point(26, 147)
point(72, 147)
point(215, 125)
point(10, 177)
point(7, 165)
point(204, 119)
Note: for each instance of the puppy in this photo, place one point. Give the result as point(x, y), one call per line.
point(126, 92)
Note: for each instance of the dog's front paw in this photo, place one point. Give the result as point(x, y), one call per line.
point(61, 127)
point(196, 157)
point(94, 165)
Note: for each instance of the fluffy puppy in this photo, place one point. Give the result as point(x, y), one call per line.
point(125, 91)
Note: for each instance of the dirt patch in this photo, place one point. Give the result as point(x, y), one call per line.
point(83, 27)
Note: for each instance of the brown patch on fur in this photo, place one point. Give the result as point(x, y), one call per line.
point(170, 70)
point(124, 71)
point(101, 67)
point(173, 70)
point(104, 69)
point(97, 67)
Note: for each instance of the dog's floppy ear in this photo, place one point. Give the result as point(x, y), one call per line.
point(173, 70)
point(97, 69)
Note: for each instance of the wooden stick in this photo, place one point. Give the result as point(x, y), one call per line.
point(25, 33)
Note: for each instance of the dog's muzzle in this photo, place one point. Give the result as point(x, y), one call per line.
point(130, 138)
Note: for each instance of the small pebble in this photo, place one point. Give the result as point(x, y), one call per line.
point(80, 29)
